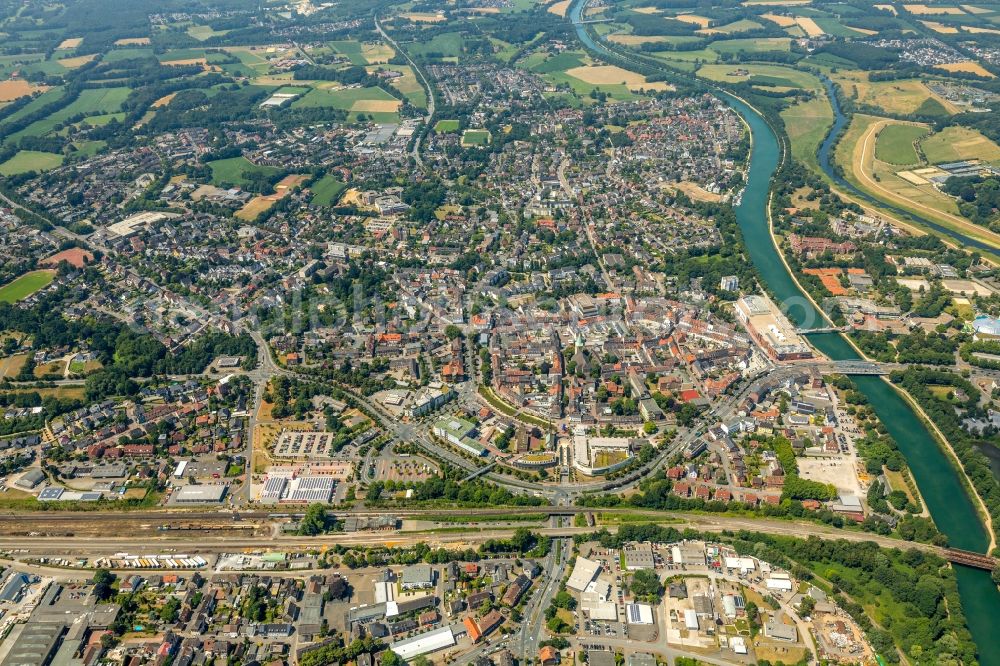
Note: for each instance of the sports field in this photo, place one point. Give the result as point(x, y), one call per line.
point(327, 190)
point(26, 285)
point(443, 126)
point(475, 138)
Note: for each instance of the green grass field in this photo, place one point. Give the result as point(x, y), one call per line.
point(475, 138)
point(752, 45)
point(46, 97)
point(25, 286)
point(446, 44)
point(807, 123)
point(559, 63)
point(789, 75)
point(340, 99)
point(443, 126)
point(30, 160)
point(351, 49)
point(327, 190)
point(956, 143)
point(407, 84)
point(92, 101)
point(203, 32)
point(127, 53)
point(832, 26)
point(230, 171)
point(743, 25)
point(895, 144)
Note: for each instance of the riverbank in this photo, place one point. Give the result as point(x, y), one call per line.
point(944, 494)
point(852, 192)
point(956, 464)
point(942, 441)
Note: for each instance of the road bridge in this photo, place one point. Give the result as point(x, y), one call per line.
point(823, 329)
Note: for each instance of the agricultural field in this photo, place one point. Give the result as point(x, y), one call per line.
point(779, 75)
point(902, 97)
point(327, 190)
point(407, 84)
point(11, 365)
point(203, 32)
point(447, 45)
point(855, 154)
point(77, 61)
point(599, 75)
point(559, 8)
point(896, 144)
point(92, 101)
point(953, 144)
point(969, 67)
point(363, 53)
point(25, 161)
point(372, 102)
point(26, 285)
point(17, 88)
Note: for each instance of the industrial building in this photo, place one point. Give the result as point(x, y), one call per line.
point(432, 641)
point(206, 494)
point(639, 556)
point(36, 644)
point(639, 613)
point(584, 571)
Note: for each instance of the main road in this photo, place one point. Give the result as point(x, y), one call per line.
point(423, 81)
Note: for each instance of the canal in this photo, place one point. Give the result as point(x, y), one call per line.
point(939, 482)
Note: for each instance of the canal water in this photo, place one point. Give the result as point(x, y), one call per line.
point(952, 508)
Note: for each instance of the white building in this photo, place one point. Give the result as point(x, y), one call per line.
point(432, 641)
point(583, 573)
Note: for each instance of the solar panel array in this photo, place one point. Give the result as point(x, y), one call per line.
point(312, 489)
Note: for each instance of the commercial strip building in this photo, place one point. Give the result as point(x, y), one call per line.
point(460, 433)
point(770, 329)
point(600, 455)
point(206, 494)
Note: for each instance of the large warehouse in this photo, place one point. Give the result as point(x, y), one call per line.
point(432, 641)
point(199, 494)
